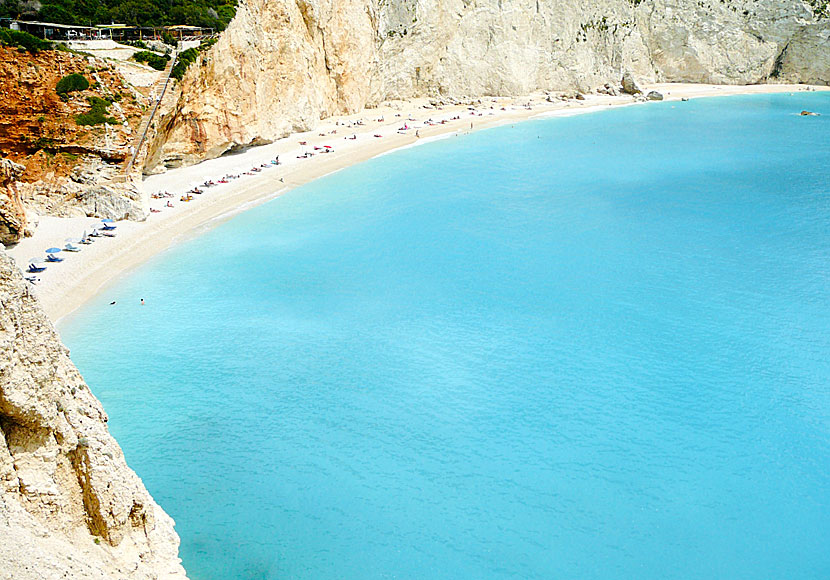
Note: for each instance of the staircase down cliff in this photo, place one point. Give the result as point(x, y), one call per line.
point(69, 505)
point(282, 65)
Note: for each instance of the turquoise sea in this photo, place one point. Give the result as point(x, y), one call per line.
point(589, 347)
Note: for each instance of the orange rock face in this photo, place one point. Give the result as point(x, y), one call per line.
point(60, 159)
point(36, 126)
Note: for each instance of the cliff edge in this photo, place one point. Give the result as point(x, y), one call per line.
point(282, 65)
point(70, 507)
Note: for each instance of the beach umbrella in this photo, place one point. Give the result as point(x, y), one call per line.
point(53, 250)
point(327, 146)
point(107, 220)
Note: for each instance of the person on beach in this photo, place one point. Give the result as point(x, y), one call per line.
point(417, 134)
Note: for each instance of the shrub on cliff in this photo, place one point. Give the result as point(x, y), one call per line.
point(157, 61)
point(207, 13)
point(23, 40)
point(71, 83)
point(97, 114)
point(186, 58)
point(168, 39)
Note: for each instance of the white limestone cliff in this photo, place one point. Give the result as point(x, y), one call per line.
point(70, 507)
point(282, 65)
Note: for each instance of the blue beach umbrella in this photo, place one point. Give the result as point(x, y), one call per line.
point(107, 220)
point(53, 250)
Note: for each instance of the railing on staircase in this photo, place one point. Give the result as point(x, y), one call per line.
point(145, 125)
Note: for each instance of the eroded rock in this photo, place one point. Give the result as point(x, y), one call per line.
point(70, 507)
point(12, 212)
point(629, 87)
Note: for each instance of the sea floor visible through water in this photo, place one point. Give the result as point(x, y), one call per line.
point(587, 347)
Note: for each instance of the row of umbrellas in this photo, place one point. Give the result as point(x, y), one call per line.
point(36, 262)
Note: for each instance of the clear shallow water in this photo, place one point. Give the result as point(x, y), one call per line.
point(593, 347)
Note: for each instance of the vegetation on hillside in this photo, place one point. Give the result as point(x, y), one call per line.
point(23, 40)
point(188, 57)
point(206, 13)
point(157, 61)
point(70, 84)
point(821, 8)
point(97, 114)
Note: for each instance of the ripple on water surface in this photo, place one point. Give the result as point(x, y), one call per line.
point(592, 347)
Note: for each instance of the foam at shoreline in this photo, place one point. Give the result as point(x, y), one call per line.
point(66, 286)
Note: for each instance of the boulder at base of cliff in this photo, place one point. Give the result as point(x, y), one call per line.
point(629, 87)
point(607, 89)
point(654, 96)
point(106, 202)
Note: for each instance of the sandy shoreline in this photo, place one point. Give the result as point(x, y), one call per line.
point(66, 286)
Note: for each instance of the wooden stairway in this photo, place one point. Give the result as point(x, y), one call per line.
point(159, 89)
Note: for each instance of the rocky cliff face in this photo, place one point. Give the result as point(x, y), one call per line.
point(12, 213)
point(282, 65)
point(69, 505)
point(67, 167)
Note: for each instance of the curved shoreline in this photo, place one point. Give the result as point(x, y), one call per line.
point(66, 286)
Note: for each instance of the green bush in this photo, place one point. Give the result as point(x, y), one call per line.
point(821, 8)
point(157, 61)
point(168, 38)
point(23, 40)
point(185, 59)
point(136, 43)
point(71, 83)
point(97, 114)
point(208, 13)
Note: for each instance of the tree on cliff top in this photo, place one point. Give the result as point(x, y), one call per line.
point(23, 40)
point(205, 13)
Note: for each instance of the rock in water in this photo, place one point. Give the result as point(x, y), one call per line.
point(654, 96)
point(629, 87)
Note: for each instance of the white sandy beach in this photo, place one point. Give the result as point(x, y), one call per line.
point(65, 286)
